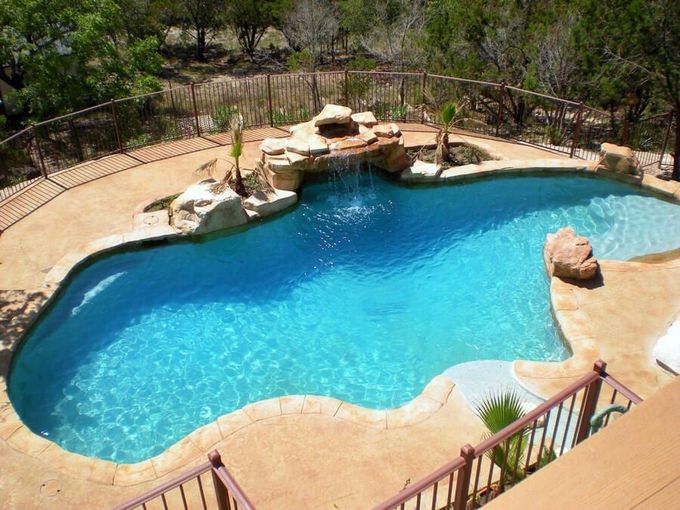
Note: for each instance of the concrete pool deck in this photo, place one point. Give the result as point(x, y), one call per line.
point(277, 448)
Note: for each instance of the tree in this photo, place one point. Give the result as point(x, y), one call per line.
point(391, 31)
point(201, 19)
point(66, 54)
point(148, 18)
point(250, 20)
point(639, 43)
point(311, 26)
point(236, 125)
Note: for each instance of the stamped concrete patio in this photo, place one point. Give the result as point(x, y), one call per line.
point(304, 452)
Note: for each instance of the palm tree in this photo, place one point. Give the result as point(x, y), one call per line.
point(497, 411)
point(236, 125)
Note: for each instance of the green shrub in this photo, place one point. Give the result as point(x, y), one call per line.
point(222, 116)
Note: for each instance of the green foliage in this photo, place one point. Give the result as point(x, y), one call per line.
point(236, 125)
point(161, 203)
point(222, 116)
point(497, 411)
point(288, 116)
point(64, 55)
point(448, 113)
point(301, 61)
point(250, 20)
point(361, 63)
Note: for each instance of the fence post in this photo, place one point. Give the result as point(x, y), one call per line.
point(269, 98)
point(43, 169)
point(346, 91)
point(220, 490)
point(499, 114)
point(666, 137)
point(590, 402)
point(423, 85)
point(463, 478)
point(193, 101)
point(577, 130)
point(115, 126)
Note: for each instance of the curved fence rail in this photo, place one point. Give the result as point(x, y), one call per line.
point(483, 472)
point(203, 110)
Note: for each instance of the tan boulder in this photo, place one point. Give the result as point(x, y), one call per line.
point(206, 207)
point(296, 158)
point(333, 114)
point(298, 146)
point(364, 118)
point(618, 158)
point(268, 203)
point(367, 134)
point(567, 255)
point(384, 130)
point(318, 145)
point(273, 146)
point(348, 143)
point(303, 130)
point(395, 129)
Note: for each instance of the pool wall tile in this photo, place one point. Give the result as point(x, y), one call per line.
point(94, 470)
point(207, 436)
point(292, 404)
point(133, 474)
point(176, 457)
point(367, 417)
point(263, 409)
point(232, 422)
point(27, 442)
point(417, 410)
point(321, 405)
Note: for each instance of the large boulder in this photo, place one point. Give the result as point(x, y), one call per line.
point(569, 256)
point(207, 206)
point(618, 158)
point(268, 203)
point(333, 114)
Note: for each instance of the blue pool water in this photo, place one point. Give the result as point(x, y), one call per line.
point(364, 292)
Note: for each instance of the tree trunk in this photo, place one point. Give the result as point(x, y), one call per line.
point(200, 44)
point(240, 188)
point(676, 149)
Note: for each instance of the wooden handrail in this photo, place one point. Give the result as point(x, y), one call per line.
point(168, 486)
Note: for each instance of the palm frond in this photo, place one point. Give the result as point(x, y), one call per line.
point(499, 410)
point(207, 168)
point(448, 113)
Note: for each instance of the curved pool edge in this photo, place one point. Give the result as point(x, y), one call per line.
point(570, 323)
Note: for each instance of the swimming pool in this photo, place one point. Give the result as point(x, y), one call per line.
point(364, 292)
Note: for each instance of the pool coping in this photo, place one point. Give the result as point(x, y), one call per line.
point(573, 328)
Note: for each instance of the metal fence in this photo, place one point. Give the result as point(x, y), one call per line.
point(209, 485)
point(485, 471)
point(204, 109)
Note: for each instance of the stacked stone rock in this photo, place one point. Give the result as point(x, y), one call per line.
point(335, 133)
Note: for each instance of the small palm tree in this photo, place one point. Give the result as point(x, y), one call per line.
point(236, 125)
point(497, 411)
point(448, 116)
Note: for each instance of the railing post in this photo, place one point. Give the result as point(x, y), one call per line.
point(220, 490)
point(666, 137)
point(590, 402)
point(577, 130)
point(346, 91)
point(423, 85)
point(269, 98)
point(499, 114)
point(115, 126)
point(463, 478)
point(193, 100)
point(43, 169)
